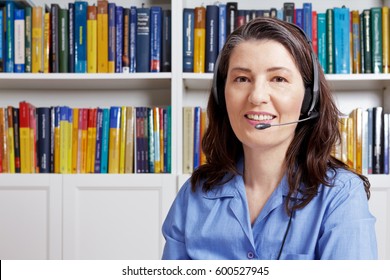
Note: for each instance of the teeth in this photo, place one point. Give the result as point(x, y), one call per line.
point(260, 117)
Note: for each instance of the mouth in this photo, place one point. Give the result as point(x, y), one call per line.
point(260, 117)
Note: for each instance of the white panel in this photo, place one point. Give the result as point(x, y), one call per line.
point(115, 216)
point(30, 216)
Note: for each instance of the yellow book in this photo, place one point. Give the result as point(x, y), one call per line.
point(351, 144)
point(344, 138)
point(57, 140)
point(37, 40)
point(24, 136)
point(385, 40)
point(64, 139)
point(75, 139)
point(200, 40)
point(356, 56)
point(161, 110)
point(102, 36)
point(46, 43)
point(11, 140)
point(122, 141)
point(357, 116)
point(92, 39)
point(114, 146)
point(33, 140)
point(203, 127)
point(70, 140)
point(188, 140)
point(84, 140)
point(4, 154)
point(129, 151)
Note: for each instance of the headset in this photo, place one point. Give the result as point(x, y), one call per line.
point(312, 91)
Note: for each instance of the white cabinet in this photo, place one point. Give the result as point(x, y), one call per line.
point(116, 216)
point(30, 216)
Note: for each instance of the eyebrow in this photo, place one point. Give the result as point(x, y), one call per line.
point(272, 69)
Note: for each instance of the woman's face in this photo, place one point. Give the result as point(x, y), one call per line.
point(263, 85)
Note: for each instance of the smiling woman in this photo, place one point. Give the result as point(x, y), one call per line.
point(274, 193)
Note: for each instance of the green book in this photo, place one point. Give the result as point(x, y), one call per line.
point(27, 39)
point(376, 40)
point(329, 41)
point(63, 38)
point(367, 41)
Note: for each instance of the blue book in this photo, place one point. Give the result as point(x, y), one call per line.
point(188, 40)
point(9, 36)
point(341, 26)
point(80, 35)
point(299, 17)
point(166, 40)
point(43, 139)
point(1, 40)
point(280, 14)
point(133, 39)
point(322, 43)
point(197, 111)
point(307, 19)
point(111, 37)
point(212, 15)
point(99, 142)
point(119, 39)
point(71, 66)
point(105, 140)
point(222, 26)
point(143, 40)
point(155, 38)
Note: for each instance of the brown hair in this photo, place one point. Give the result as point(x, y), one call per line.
point(308, 157)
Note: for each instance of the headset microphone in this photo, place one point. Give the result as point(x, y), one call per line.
point(262, 126)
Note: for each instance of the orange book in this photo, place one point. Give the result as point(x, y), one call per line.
point(46, 43)
point(203, 127)
point(102, 36)
point(200, 40)
point(37, 40)
point(92, 39)
point(91, 140)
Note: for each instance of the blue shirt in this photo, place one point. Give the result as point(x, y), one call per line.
point(336, 224)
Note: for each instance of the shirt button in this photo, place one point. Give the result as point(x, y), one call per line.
point(250, 255)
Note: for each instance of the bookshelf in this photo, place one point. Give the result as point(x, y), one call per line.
point(60, 214)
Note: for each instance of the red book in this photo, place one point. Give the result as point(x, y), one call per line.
point(314, 33)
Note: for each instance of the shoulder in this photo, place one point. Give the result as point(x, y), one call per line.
point(344, 181)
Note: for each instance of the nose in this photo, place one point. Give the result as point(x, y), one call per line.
point(260, 93)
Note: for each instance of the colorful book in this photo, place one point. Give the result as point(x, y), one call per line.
point(75, 139)
point(24, 130)
point(92, 39)
point(118, 38)
point(341, 24)
point(15, 117)
point(122, 140)
point(376, 40)
point(356, 57)
point(99, 141)
point(126, 42)
point(37, 40)
point(80, 36)
point(46, 42)
point(366, 27)
point(221, 25)
point(63, 38)
point(102, 36)
point(11, 139)
point(91, 140)
point(111, 37)
point(231, 15)
point(143, 40)
point(105, 140)
point(199, 39)
point(19, 37)
point(129, 151)
point(196, 133)
point(114, 144)
point(188, 40)
point(378, 141)
point(43, 139)
point(385, 40)
point(188, 140)
point(212, 15)
point(9, 36)
point(155, 38)
point(71, 45)
point(1, 40)
point(329, 41)
point(133, 39)
point(54, 51)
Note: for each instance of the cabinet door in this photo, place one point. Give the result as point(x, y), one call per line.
point(116, 216)
point(30, 216)
point(380, 208)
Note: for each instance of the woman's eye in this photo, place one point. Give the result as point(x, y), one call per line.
point(241, 79)
point(279, 79)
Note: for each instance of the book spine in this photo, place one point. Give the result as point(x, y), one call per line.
point(385, 40)
point(322, 44)
point(299, 17)
point(1, 40)
point(114, 145)
point(188, 140)
point(118, 38)
point(9, 36)
point(156, 135)
point(63, 48)
point(126, 41)
point(92, 39)
point(196, 141)
point(143, 40)
point(231, 15)
point(386, 140)
point(64, 139)
point(43, 139)
point(71, 46)
point(155, 38)
point(212, 14)
point(166, 41)
point(188, 40)
point(10, 138)
point(75, 140)
point(102, 36)
point(46, 42)
point(362, 44)
point(341, 23)
point(57, 116)
point(24, 130)
point(314, 32)
point(151, 141)
point(122, 140)
point(240, 18)
point(222, 26)
point(129, 158)
point(19, 37)
point(99, 135)
point(111, 37)
point(133, 39)
point(288, 8)
point(105, 140)
point(15, 116)
point(367, 41)
point(80, 35)
point(377, 162)
point(307, 19)
point(54, 14)
point(356, 67)
point(199, 39)
point(376, 40)
point(37, 40)
point(329, 41)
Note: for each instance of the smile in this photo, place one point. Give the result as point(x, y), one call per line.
point(258, 117)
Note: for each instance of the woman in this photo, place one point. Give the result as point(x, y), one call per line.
point(270, 188)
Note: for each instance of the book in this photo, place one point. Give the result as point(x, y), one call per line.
point(19, 37)
point(329, 41)
point(114, 144)
point(54, 51)
point(126, 42)
point(188, 40)
point(99, 140)
point(307, 19)
point(199, 39)
point(367, 52)
point(155, 38)
point(11, 139)
point(370, 140)
point(63, 38)
point(56, 155)
point(212, 14)
point(83, 140)
point(2, 39)
point(156, 136)
point(386, 142)
point(105, 140)
point(143, 40)
point(314, 32)
point(231, 15)
point(221, 25)
point(24, 130)
point(46, 42)
point(111, 37)
point(80, 36)
point(377, 132)
point(37, 40)
point(133, 39)
point(288, 8)
point(91, 140)
point(92, 39)
point(150, 139)
point(122, 140)
point(188, 140)
point(196, 133)
point(9, 37)
point(43, 139)
point(166, 40)
point(64, 124)
point(75, 140)
point(15, 120)
point(356, 57)
point(385, 40)
point(341, 27)
point(322, 43)
point(102, 36)
point(71, 45)
point(118, 38)
point(376, 40)
point(129, 150)
point(4, 149)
